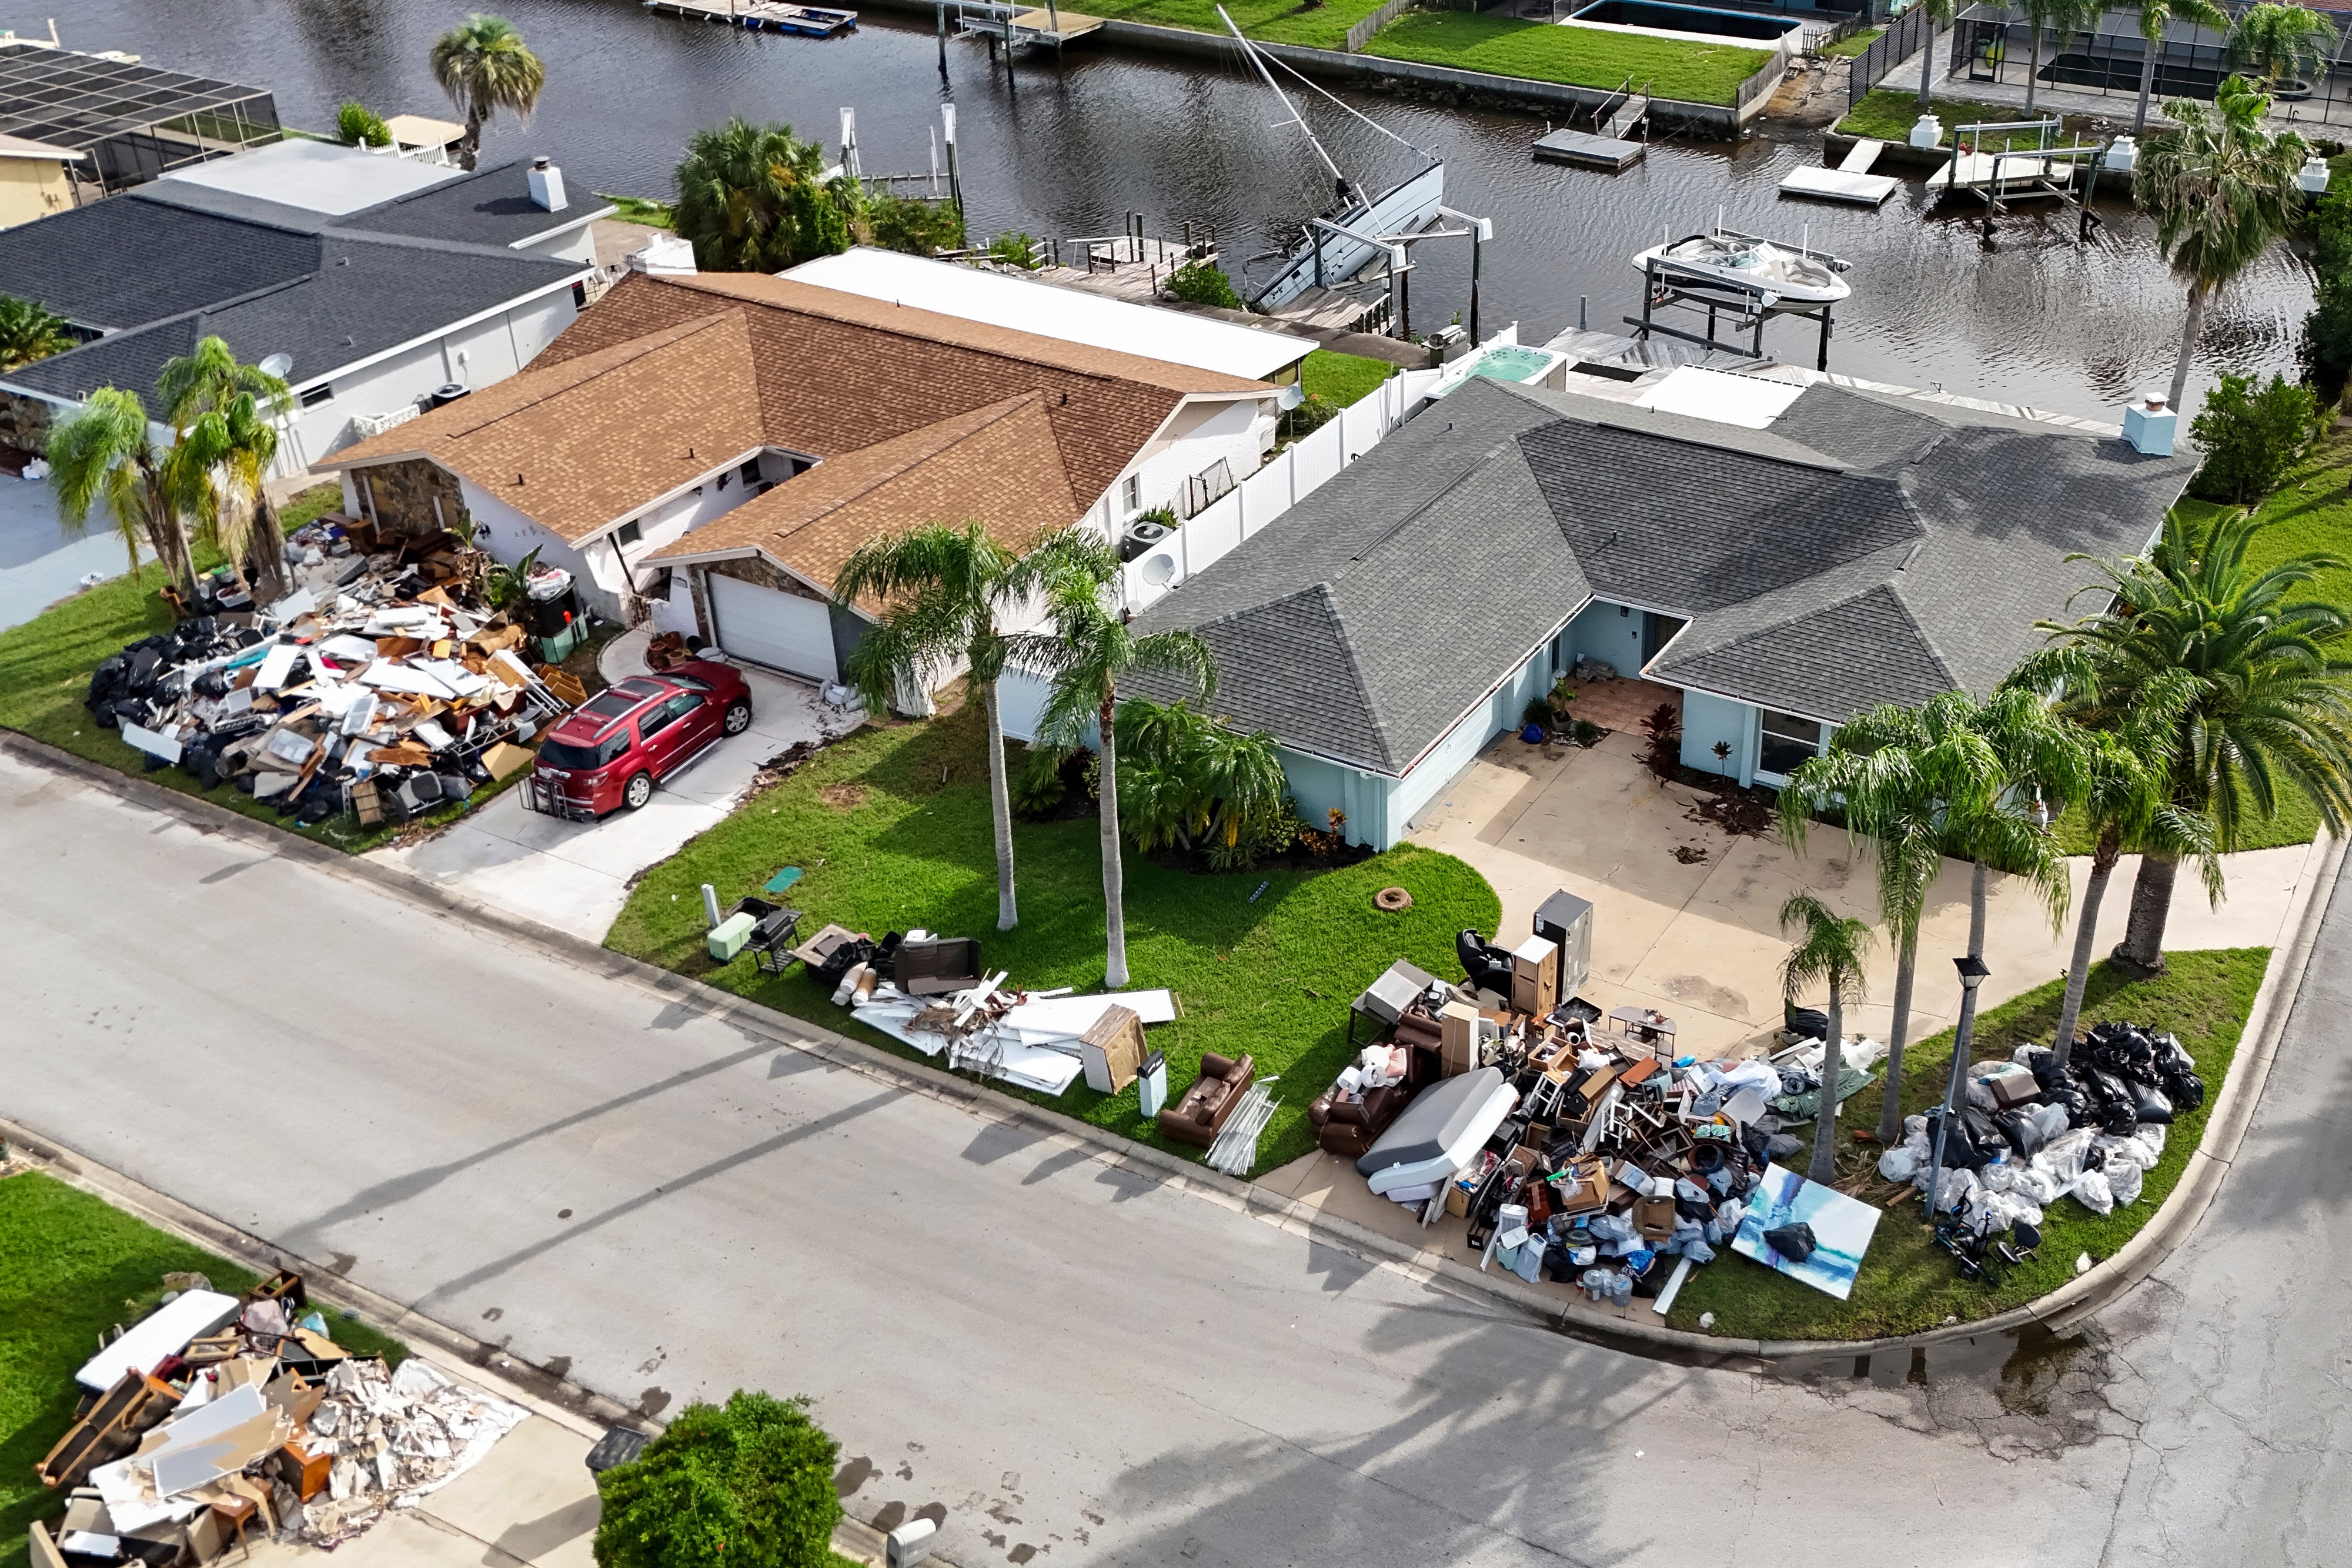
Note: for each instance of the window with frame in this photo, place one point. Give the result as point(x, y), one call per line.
point(1788, 743)
point(628, 533)
point(313, 396)
point(1130, 493)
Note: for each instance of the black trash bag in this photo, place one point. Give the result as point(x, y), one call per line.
point(2187, 1091)
point(2108, 1088)
point(1806, 1023)
point(2148, 1104)
point(1962, 1151)
point(2119, 1120)
point(2023, 1133)
point(106, 684)
point(843, 959)
point(1794, 1242)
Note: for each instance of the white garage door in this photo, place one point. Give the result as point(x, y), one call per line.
point(781, 631)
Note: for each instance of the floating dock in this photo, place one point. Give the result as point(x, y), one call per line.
point(2019, 174)
point(1586, 151)
point(762, 15)
point(1851, 180)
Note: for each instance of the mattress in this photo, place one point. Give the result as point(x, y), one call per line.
point(1440, 1132)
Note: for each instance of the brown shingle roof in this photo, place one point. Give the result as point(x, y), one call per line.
point(999, 464)
point(722, 363)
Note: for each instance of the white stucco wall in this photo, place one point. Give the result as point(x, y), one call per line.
point(1235, 431)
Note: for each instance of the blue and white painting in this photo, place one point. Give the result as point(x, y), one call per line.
point(1842, 1228)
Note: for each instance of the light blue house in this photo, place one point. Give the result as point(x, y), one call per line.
point(1857, 548)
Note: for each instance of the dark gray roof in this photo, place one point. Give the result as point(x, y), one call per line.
point(494, 207)
point(160, 266)
point(1863, 549)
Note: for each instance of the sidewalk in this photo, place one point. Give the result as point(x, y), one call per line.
point(575, 876)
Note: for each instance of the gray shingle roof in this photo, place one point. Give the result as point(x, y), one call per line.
point(494, 207)
point(160, 271)
point(1861, 550)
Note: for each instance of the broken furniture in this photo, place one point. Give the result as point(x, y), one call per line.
point(1350, 1118)
point(1386, 999)
point(937, 966)
point(1439, 1134)
point(1112, 1049)
point(1200, 1113)
point(1646, 1025)
point(1488, 966)
point(1535, 977)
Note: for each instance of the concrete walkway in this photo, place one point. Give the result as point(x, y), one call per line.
point(575, 876)
point(1686, 918)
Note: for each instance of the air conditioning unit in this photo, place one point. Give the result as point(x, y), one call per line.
point(1140, 536)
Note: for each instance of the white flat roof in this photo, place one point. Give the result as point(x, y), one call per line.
point(1718, 395)
point(1073, 315)
point(323, 177)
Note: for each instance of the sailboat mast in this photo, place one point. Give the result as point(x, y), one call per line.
point(1295, 118)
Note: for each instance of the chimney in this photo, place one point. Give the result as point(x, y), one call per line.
point(546, 185)
point(2149, 425)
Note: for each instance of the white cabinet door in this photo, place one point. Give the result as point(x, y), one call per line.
point(781, 631)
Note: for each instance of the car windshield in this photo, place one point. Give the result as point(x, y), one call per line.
point(691, 683)
point(582, 758)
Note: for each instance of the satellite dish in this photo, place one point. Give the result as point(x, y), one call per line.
point(277, 365)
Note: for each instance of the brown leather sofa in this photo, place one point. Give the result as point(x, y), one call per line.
point(1349, 1128)
point(1202, 1114)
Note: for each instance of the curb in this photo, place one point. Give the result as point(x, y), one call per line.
point(2078, 1297)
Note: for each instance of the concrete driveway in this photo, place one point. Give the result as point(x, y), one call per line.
point(575, 876)
point(1687, 916)
point(42, 562)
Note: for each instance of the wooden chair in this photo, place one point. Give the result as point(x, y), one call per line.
point(234, 1517)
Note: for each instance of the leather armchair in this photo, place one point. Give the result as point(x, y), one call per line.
point(1202, 1114)
point(1349, 1128)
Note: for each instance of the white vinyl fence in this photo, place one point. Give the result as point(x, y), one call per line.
point(1289, 477)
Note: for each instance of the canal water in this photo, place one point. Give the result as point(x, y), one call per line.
point(2035, 318)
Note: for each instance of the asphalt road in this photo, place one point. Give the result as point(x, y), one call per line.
point(1077, 1364)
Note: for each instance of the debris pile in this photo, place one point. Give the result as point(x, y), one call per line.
point(384, 685)
point(216, 1416)
point(2032, 1131)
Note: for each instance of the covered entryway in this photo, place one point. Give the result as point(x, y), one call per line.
point(782, 630)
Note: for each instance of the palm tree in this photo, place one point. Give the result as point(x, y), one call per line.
point(946, 593)
point(1833, 953)
point(2282, 41)
point(1939, 15)
point(1885, 795)
point(754, 198)
point(485, 66)
point(2062, 16)
point(2155, 17)
point(104, 451)
point(248, 400)
point(2220, 189)
point(30, 331)
point(1090, 650)
point(2266, 703)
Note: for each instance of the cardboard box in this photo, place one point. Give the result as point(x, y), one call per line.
point(1457, 1038)
point(1457, 1200)
point(1112, 1049)
point(1654, 1218)
point(1581, 1189)
point(2013, 1089)
point(504, 760)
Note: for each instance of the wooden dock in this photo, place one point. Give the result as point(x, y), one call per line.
point(1851, 180)
point(2021, 176)
point(762, 15)
point(1586, 151)
point(1022, 25)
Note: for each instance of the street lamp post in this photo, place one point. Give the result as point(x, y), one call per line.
point(1972, 975)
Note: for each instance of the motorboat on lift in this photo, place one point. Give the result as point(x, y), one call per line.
point(1788, 275)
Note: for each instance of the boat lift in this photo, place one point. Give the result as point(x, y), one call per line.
point(1667, 286)
point(2021, 173)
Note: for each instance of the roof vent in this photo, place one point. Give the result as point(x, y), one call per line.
point(546, 185)
point(2150, 424)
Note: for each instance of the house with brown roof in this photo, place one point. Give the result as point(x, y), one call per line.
point(703, 453)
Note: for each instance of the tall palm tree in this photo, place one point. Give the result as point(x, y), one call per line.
point(29, 331)
point(754, 198)
point(1833, 951)
point(2220, 189)
point(1939, 15)
point(2281, 41)
point(1089, 650)
point(104, 451)
point(2267, 707)
point(945, 594)
point(2061, 17)
point(248, 401)
point(1886, 795)
point(2155, 17)
point(485, 66)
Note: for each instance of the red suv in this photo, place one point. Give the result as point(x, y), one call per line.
point(606, 754)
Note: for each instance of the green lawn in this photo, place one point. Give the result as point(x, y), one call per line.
point(71, 1267)
point(44, 668)
point(646, 210)
point(1341, 379)
point(1889, 114)
point(1579, 57)
point(1854, 44)
point(1907, 1283)
point(1323, 26)
point(887, 846)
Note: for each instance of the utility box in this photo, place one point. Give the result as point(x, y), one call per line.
point(909, 1543)
point(2149, 426)
point(1566, 921)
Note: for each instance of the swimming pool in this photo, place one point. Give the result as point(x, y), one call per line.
point(1669, 18)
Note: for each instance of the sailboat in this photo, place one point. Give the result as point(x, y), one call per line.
point(1359, 229)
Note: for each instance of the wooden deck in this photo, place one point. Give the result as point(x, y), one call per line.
point(1586, 151)
point(762, 15)
point(1124, 268)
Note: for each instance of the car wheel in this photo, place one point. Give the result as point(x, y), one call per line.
point(739, 716)
point(639, 791)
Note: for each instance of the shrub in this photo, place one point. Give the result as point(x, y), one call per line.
point(1586, 733)
point(1199, 283)
point(2252, 435)
point(1036, 786)
point(748, 1484)
point(1314, 412)
point(1015, 248)
point(918, 227)
point(1187, 782)
point(1664, 755)
point(358, 126)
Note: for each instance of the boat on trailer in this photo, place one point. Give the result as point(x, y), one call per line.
point(1792, 275)
point(1358, 227)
